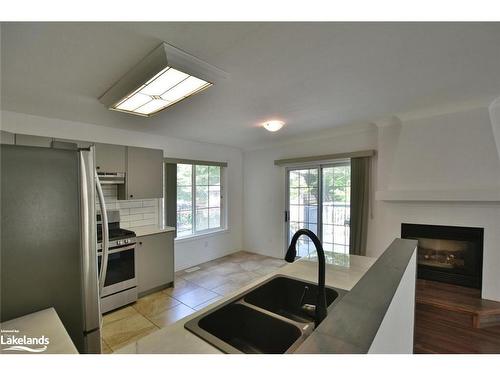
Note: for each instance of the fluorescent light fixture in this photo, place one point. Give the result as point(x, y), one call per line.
point(273, 125)
point(165, 89)
point(165, 80)
point(153, 106)
point(133, 102)
point(164, 77)
point(185, 88)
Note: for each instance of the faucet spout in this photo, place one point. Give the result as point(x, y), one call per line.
point(319, 310)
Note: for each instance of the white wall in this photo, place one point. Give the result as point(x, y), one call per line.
point(446, 152)
point(187, 252)
point(264, 185)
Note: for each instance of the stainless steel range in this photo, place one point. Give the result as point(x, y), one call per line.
point(120, 281)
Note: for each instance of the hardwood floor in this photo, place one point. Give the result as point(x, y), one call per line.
point(451, 319)
point(458, 299)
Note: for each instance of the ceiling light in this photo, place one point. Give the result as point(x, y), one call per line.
point(164, 77)
point(153, 106)
point(185, 88)
point(273, 125)
point(165, 80)
point(132, 102)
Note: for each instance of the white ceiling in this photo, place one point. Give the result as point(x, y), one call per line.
point(313, 76)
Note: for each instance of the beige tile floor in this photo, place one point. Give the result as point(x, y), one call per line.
point(192, 291)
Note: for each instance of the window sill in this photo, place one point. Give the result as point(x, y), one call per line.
point(201, 236)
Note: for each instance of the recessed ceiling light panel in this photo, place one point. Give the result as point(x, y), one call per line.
point(273, 125)
point(164, 77)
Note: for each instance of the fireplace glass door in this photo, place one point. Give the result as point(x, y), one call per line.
point(448, 254)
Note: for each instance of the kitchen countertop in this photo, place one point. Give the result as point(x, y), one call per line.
point(352, 323)
point(42, 323)
point(175, 339)
point(151, 229)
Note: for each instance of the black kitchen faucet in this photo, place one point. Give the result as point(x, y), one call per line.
point(318, 310)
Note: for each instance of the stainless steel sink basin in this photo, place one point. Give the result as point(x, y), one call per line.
point(264, 319)
point(284, 296)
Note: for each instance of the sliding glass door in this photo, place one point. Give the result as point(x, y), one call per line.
point(303, 212)
point(335, 203)
point(318, 199)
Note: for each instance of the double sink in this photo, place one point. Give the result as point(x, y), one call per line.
point(265, 319)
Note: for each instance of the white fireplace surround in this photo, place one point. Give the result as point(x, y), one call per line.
point(441, 170)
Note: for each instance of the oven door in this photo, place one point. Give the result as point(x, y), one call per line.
point(121, 271)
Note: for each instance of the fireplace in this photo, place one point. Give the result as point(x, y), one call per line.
point(448, 254)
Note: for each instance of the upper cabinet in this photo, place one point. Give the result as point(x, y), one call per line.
point(110, 158)
point(80, 144)
point(144, 177)
point(7, 138)
point(33, 140)
point(143, 166)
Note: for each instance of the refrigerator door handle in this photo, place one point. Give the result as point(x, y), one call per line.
point(105, 234)
point(89, 242)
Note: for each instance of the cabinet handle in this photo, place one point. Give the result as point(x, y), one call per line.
point(131, 195)
point(97, 167)
point(140, 243)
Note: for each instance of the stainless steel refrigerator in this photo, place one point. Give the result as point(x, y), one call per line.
point(48, 238)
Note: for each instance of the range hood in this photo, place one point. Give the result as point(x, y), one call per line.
point(111, 178)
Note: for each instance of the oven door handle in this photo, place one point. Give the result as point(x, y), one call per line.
point(117, 250)
point(105, 234)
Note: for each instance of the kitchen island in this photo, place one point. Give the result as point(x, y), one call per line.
point(375, 316)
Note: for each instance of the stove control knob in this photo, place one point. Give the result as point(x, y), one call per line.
point(126, 241)
point(119, 242)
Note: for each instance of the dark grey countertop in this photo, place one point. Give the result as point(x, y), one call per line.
point(352, 323)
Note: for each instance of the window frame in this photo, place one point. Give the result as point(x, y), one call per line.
point(223, 223)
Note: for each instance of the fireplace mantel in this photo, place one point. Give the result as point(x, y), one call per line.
point(473, 195)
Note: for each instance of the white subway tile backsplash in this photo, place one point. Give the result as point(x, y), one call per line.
point(129, 204)
point(142, 223)
point(135, 217)
point(133, 213)
point(141, 210)
point(149, 202)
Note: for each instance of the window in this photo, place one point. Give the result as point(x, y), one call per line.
point(199, 199)
point(319, 200)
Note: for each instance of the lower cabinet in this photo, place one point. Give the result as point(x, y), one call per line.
point(155, 262)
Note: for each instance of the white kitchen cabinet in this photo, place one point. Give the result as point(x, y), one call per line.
point(155, 262)
point(81, 144)
point(33, 140)
point(7, 138)
point(110, 158)
point(144, 179)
